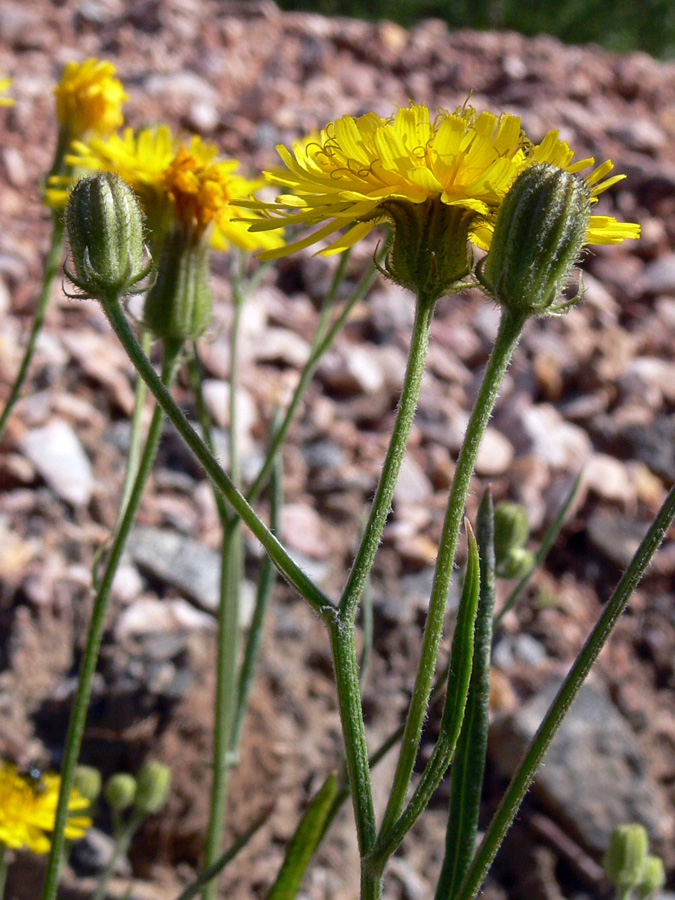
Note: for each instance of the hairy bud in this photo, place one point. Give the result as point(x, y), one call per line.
point(538, 236)
point(105, 229)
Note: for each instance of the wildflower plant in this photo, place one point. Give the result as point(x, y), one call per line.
point(442, 186)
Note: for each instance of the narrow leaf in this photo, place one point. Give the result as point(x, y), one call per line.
point(469, 761)
point(304, 842)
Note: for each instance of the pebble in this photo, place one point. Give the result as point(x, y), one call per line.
point(57, 454)
point(179, 561)
point(496, 451)
point(150, 615)
point(658, 277)
point(559, 443)
point(590, 798)
point(616, 536)
point(302, 530)
point(609, 478)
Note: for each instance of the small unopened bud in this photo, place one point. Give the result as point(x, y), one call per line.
point(178, 306)
point(516, 563)
point(120, 791)
point(105, 230)
point(626, 855)
point(512, 527)
point(88, 782)
point(653, 878)
point(538, 236)
point(154, 784)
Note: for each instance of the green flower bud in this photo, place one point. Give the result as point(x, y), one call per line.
point(512, 527)
point(88, 782)
point(626, 856)
point(538, 236)
point(105, 230)
point(120, 791)
point(653, 878)
point(154, 784)
point(178, 306)
point(516, 563)
point(429, 252)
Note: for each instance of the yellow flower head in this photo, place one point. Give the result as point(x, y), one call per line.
point(89, 98)
point(358, 172)
point(4, 84)
point(175, 181)
point(28, 809)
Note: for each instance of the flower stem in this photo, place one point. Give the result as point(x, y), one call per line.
point(507, 338)
point(51, 268)
point(353, 730)
point(122, 842)
point(4, 866)
point(225, 703)
point(569, 689)
point(384, 495)
point(80, 706)
point(280, 557)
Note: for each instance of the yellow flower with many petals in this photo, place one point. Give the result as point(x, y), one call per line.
point(4, 84)
point(175, 180)
point(359, 172)
point(28, 809)
point(89, 98)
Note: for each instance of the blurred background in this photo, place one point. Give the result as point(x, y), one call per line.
point(621, 25)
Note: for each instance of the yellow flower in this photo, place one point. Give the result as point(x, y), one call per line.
point(4, 84)
point(28, 809)
point(361, 171)
point(89, 98)
point(175, 181)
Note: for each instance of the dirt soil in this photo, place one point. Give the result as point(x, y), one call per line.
point(595, 388)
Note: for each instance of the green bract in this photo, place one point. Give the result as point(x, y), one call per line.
point(429, 250)
point(105, 229)
point(538, 236)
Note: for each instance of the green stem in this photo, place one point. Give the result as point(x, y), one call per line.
point(94, 636)
point(353, 730)
point(468, 765)
point(122, 843)
point(381, 505)
point(540, 743)
point(136, 432)
point(193, 889)
point(51, 267)
point(4, 866)
point(507, 338)
point(266, 582)
point(323, 339)
point(280, 557)
point(225, 704)
point(461, 662)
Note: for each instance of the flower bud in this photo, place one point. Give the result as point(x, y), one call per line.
point(154, 784)
point(429, 252)
point(538, 236)
point(653, 878)
point(512, 527)
point(120, 791)
point(178, 306)
point(516, 563)
point(626, 856)
point(105, 229)
point(88, 782)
